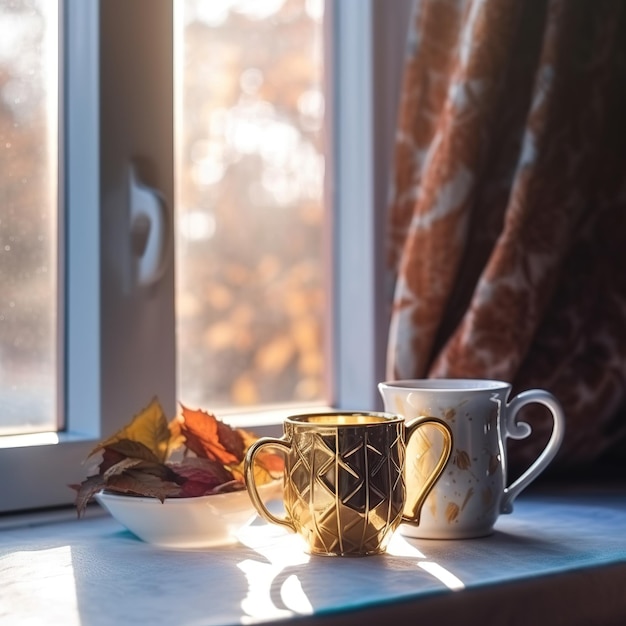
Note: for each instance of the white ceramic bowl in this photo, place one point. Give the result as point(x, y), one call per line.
point(198, 522)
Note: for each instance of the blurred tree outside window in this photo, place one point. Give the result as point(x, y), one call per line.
point(250, 296)
point(29, 277)
point(250, 168)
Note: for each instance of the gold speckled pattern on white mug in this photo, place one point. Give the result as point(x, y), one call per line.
point(471, 493)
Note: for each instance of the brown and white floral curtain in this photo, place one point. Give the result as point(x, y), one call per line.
point(508, 214)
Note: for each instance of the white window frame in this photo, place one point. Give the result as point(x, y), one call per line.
point(119, 345)
point(37, 468)
point(366, 61)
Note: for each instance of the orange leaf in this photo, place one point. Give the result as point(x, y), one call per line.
point(269, 461)
point(210, 438)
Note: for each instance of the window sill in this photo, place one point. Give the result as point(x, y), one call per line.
point(559, 558)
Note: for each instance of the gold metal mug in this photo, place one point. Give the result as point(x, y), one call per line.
point(344, 485)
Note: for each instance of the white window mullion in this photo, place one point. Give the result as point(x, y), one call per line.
point(82, 218)
point(366, 53)
point(137, 128)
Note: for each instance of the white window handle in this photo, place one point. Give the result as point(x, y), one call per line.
point(150, 232)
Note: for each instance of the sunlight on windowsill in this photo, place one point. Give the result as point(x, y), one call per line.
point(274, 588)
point(574, 540)
point(265, 574)
point(276, 583)
point(29, 439)
point(399, 546)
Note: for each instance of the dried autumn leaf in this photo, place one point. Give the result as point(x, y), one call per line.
point(269, 461)
point(162, 471)
point(86, 490)
point(141, 483)
point(149, 427)
point(121, 467)
point(263, 475)
point(110, 457)
point(136, 460)
point(122, 450)
point(202, 476)
point(211, 438)
point(268, 465)
point(127, 448)
point(177, 439)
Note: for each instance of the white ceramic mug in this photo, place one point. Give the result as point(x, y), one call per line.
point(472, 492)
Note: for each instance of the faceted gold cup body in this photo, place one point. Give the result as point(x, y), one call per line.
point(344, 487)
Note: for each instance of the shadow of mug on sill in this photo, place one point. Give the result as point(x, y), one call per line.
point(472, 492)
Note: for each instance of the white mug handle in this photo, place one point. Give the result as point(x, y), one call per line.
point(514, 430)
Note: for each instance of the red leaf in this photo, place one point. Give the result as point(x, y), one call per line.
point(202, 476)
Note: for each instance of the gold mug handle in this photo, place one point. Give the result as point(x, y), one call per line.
point(412, 427)
point(251, 485)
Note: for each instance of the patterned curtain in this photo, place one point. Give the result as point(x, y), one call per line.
point(508, 213)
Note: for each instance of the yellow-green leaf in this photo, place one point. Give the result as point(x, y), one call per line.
point(149, 427)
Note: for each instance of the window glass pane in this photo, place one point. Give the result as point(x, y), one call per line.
point(250, 167)
point(28, 215)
